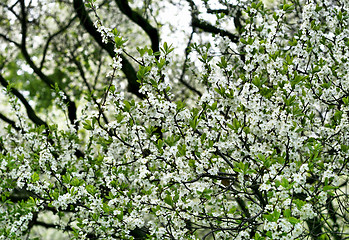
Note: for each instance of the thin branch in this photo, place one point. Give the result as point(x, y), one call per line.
point(98, 70)
point(82, 74)
point(51, 37)
point(10, 8)
point(9, 40)
point(181, 78)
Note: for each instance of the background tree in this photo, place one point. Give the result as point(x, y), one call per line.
point(237, 130)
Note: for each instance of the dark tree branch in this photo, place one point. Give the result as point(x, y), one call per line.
point(181, 78)
point(207, 27)
point(332, 214)
point(127, 68)
point(215, 11)
point(315, 227)
point(70, 104)
point(30, 112)
point(81, 71)
point(9, 40)
point(237, 21)
point(140, 21)
point(43, 224)
point(82, 74)
point(51, 37)
point(10, 8)
point(9, 121)
point(237, 17)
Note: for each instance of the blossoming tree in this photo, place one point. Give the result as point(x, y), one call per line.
point(108, 133)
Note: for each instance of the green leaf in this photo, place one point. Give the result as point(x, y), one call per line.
point(119, 41)
point(213, 106)
point(172, 140)
point(180, 105)
point(166, 49)
point(95, 216)
point(284, 183)
point(176, 197)
point(143, 71)
point(182, 150)
point(127, 106)
point(223, 63)
point(207, 193)
point(273, 217)
point(340, 15)
point(91, 189)
point(329, 187)
point(191, 163)
point(35, 177)
point(120, 216)
point(168, 200)
point(87, 125)
point(294, 220)
point(258, 237)
point(269, 217)
point(261, 157)
point(287, 213)
point(288, 8)
point(194, 122)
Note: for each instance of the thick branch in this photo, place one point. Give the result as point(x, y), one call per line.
point(71, 105)
point(140, 21)
point(207, 27)
point(215, 11)
point(127, 68)
point(332, 214)
point(30, 112)
point(9, 121)
point(315, 227)
point(9, 40)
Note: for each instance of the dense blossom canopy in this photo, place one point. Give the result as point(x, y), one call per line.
point(107, 135)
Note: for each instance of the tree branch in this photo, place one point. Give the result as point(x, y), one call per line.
point(215, 11)
point(140, 21)
point(82, 74)
point(127, 68)
point(207, 27)
point(184, 68)
point(51, 37)
point(30, 111)
point(9, 121)
point(70, 104)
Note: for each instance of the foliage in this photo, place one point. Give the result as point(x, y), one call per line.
point(245, 136)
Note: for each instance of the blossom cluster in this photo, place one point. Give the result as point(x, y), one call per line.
point(262, 154)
